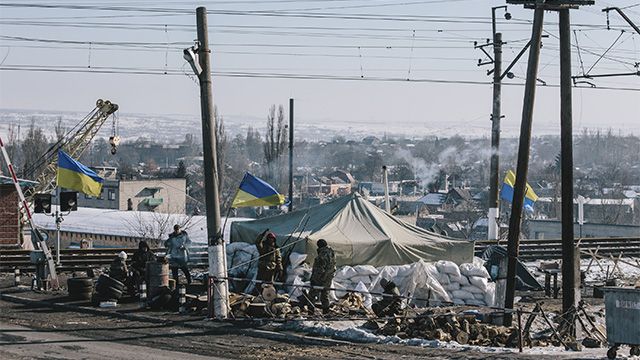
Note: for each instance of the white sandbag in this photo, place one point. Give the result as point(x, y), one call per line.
point(362, 290)
point(291, 278)
point(475, 302)
point(449, 267)
point(364, 270)
point(457, 302)
point(299, 271)
point(472, 289)
point(462, 294)
point(340, 291)
point(296, 259)
point(345, 273)
point(432, 270)
point(474, 270)
point(479, 282)
point(478, 261)
point(404, 270)
point(451, 287)
point(443, 279)
point(363, 279)
point(295, 290)
point(479, 296)
point(462, 280)
point(490, 295)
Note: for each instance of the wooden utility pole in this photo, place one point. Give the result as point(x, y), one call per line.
point(570, 265)
point(570, 291)
point(217, 257)
point(523, 161)
point(290, 155)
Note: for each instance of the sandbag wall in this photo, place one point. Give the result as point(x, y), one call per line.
point(444, 281)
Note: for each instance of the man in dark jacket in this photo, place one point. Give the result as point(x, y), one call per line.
point(324, 267)
point(391, 302)
point(139, 261)
point(270, 261)
point(178, 252)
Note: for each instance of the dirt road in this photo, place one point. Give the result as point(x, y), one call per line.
point(18, 342)
point(28, 325)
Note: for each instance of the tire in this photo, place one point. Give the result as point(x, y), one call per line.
point(81, 295)
point(612, 353)
point(79, 282)
point(111, 293)
point(111, 282)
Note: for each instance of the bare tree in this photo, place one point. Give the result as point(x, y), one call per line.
point(59, 129)
point(157, 226)
point(275, 144)
point(33, 148)
point(222, 145)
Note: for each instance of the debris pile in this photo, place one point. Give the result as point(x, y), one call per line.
point(464, 329)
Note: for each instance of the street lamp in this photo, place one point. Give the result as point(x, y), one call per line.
point(507, 15)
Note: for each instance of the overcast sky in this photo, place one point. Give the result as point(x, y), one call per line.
point(359, 40)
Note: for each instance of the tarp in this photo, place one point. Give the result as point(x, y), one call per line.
point(359, 233)
point(525, 280)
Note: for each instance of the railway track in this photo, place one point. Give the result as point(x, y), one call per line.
point(530, 249)
point(548, 249)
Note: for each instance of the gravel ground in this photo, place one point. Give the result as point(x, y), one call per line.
point(193, 336)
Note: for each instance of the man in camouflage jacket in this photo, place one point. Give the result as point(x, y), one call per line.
point(270, 261)
point(324, 267)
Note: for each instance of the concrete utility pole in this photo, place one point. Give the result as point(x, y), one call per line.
point(290, 155)
point(523, 161)
point(494, 178)
point(217, 257)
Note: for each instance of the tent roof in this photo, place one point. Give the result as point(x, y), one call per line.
point(359, 232)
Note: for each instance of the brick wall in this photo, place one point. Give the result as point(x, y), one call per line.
point(9, 216)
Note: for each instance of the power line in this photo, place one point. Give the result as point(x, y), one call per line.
point(264, 75)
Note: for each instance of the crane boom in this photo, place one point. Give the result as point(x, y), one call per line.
point(74, 143)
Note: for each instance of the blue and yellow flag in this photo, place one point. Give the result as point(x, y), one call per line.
point(75, 176)
point(506, 193)
point(254, 191)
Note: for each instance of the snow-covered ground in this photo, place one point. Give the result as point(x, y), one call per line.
point(628, 269)
point(351, 331)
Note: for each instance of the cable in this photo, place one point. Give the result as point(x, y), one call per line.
point(134, 71)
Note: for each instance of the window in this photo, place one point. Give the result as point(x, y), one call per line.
point(100, 197)
point(111, 195)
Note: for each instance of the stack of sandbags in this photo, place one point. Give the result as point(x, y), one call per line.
point(348, 278)
point(298, 274)
point(242, 263)
point(467, 284)
point(416, 280)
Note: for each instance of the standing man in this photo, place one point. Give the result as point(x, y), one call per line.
point(178, 252)
point(324, 267)
point(270, 260)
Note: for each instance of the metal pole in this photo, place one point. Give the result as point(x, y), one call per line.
point(385, 183)
point(290, 155)
point(523, 161)
point(570, 290)
point(58, 220)
point(217, 267)
point(495, 138)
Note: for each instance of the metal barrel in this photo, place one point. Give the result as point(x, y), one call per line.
point(158, 275)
